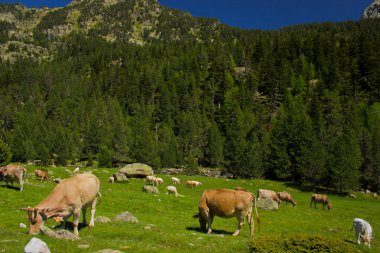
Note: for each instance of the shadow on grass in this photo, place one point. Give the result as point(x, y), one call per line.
point(349, 241)
point(214, 231)
point(11, 187)
point(314, 188)
point(70, 226)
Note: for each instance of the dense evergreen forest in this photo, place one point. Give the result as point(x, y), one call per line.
point(300, 104)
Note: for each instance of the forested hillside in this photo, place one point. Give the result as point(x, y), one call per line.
point(300, 104)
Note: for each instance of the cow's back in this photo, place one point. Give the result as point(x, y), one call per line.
point(225, 202)
point(81, 189)
point(360, 225)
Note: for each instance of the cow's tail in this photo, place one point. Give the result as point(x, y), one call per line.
point(24, 173)
point(100, 198)
point(257, 213)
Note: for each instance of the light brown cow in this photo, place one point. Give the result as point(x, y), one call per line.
point(320, 198)
point(227, 203)
point(41, 174)
point(67, 198)
point(287, 197)
point(268, 194)
point(192, 184)
point(13, 172)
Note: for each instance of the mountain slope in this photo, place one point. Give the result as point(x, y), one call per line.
point(33, 32)
point(372, 11)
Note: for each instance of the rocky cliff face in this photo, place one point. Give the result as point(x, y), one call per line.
point(372, 11)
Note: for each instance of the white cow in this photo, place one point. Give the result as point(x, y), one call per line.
point(363, 231)
point(175, 180)
point(76, 170)
point(151, 180)
point(159, 181)
point(172, 190)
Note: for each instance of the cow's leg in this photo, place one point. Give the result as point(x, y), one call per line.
point(21, 183)
point(251, 224)
point(93, 209)
point(240, 217)
point(358, 238)
point(76, 215)
point(84, 209)
point(210, 218)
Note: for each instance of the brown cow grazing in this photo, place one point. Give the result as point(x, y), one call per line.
point(67, 198)
point(41, 174)
point(285, 196)
point(227, 203)
point(320, 198)
point(13, 173)
point(268, 194)
point(192, 184)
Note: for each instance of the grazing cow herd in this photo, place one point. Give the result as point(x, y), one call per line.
point(81, 191)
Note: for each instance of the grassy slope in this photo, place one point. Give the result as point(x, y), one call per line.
point(174, 228)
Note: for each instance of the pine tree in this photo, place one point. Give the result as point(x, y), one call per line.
point(5, 153)
point(214, 146)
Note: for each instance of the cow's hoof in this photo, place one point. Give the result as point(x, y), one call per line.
point(91, 226)
point(235, 234)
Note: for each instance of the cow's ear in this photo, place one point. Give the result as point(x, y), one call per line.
point(26, 208)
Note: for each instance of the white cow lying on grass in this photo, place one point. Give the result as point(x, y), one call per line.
point(363, 231)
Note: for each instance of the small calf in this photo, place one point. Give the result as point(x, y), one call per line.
point(172, 190)
point(111, 179)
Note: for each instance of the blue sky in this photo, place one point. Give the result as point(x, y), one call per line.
point(255, 14)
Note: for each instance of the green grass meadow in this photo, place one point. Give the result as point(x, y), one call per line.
point(172, 227)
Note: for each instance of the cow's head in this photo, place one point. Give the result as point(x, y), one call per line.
point(329, 206)
point(36, 219)
point(366, 238)
point(294, 203)
point(202, 221)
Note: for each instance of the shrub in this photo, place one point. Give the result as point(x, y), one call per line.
point(300, 243)
point(5, 153)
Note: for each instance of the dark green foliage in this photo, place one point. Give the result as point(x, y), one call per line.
point(300, 243)
point(300, 104)
point(5, 153)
